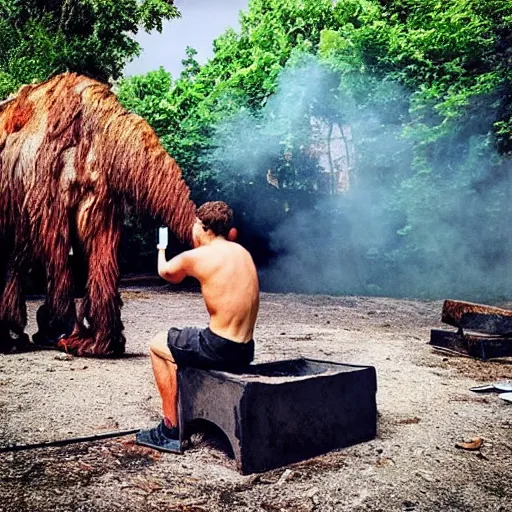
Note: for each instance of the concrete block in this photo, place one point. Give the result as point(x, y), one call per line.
point(281, 412)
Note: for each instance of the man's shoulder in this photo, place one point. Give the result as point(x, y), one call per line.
point(201, 253)
point(193, 255)
point(234, 248)
point(221, 248)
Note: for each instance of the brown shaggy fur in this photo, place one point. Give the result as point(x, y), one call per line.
point(70, 155)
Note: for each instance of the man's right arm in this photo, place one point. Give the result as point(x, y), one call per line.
point(174, 270)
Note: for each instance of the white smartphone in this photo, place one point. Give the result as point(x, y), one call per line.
point(163, 237)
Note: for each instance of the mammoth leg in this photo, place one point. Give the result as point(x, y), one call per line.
point(51, 326)
point(13, 309)
point(5, 339)
point(57, 316)
point(99, 331)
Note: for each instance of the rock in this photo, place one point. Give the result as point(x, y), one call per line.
point(312, 492)
point(64, 357)
point(287, 475)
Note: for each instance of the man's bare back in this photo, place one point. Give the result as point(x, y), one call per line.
point(229, 285)
point(228, 278)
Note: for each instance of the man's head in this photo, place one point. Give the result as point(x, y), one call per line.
point(214, 219)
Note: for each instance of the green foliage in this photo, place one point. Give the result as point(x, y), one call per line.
point(240, 77)
point(92, 37)
point(449, 54)
point(420, 91)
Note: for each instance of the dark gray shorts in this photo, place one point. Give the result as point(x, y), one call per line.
point(202, 348)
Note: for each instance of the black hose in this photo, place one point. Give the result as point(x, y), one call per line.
point(69, 440)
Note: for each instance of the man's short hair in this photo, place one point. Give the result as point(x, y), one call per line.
point(216, 216)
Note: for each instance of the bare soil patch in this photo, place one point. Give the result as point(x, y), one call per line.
point(424, 402)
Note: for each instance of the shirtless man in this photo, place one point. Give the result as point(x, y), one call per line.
point(229, 285)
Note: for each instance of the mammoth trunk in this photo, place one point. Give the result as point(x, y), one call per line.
point(150, 177)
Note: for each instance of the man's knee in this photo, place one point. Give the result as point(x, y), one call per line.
point(159, 347)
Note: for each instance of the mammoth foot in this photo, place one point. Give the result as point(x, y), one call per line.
point(86, 345)
point(43, 341)
point(19, 343)
point(51, 329)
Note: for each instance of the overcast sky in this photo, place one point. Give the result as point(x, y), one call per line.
point(201, 22)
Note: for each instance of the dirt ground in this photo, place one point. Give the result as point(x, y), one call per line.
point(425, 408)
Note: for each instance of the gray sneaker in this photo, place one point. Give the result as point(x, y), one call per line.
point(160, 438)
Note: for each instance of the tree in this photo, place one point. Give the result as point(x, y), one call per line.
point(452, 61)
point(420, 94)
point(92, 37)
point(453, 56)
point(238, 81)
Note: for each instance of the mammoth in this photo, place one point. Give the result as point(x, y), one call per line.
point(70, 157)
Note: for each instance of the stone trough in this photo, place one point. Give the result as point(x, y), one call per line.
point(281, 412)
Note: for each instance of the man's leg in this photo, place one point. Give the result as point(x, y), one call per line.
point(166, 435)
point(166, 377)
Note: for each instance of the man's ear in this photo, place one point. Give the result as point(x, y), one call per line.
point(233, 234)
